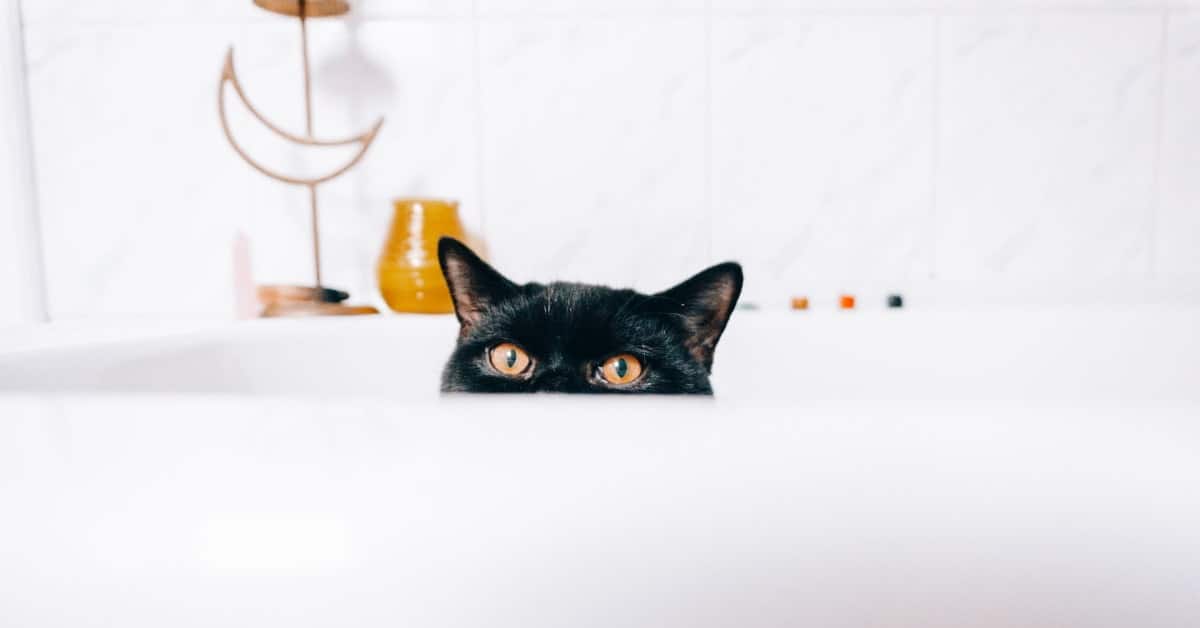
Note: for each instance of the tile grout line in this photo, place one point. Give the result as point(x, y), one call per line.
point(39, 282)
point(477, 109)
point(1159, 125)
point(934, 146)
point(708, 128)
point(475, 15)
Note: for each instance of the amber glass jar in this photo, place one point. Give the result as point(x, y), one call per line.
point(410, 279)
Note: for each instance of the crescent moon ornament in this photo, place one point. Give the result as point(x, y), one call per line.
point(316, 299)
point(229, 77)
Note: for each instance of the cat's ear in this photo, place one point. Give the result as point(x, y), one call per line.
point(474, 286)
point(705, 302)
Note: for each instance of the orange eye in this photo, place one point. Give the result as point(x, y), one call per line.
point(509, 359)
point(621, 369)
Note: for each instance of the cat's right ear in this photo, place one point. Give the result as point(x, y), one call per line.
point(474, 286)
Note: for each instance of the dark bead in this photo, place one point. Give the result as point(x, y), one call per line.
point(895, 300)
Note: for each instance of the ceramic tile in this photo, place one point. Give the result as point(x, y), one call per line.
point(597, 153)
point(867, 7)
point(594, 149)
point(821, 149)
point(1046, 145)
point(141, 196)
point(407, 9)
point(587, 7)
point(129, 12)
point(1177, 220)
point(20, 273)
point(748, 8)
point(1035, 7)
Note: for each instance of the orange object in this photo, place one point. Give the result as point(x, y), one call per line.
point(410, 278)
point(799, 303)
point(847, 302)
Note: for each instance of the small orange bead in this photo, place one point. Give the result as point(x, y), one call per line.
point(847, 302)
point(799, 303)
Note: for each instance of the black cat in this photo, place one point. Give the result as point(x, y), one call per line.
point(568, 337)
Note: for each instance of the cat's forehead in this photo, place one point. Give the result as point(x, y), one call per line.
point(576, 303)
point(568, 318)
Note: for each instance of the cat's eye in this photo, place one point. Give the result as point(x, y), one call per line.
point(620, 370)
point(509, 359)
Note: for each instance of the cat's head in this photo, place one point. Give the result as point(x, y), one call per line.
point(569, 337)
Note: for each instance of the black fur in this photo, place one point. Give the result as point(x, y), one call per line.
point(569, 329)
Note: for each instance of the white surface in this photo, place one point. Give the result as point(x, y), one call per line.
point(935, 469)
point(990, 141)
point(212, 511)
point(1134, 355)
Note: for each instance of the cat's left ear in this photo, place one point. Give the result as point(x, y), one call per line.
point(706, 301)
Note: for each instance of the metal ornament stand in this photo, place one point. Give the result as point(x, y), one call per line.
point(316, 300)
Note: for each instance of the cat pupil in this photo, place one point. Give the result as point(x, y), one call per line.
point(510, 357)
point(622, 367)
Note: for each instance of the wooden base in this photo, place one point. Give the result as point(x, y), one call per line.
point(295, 294)
point(289, 301)
point(312, 8)
point(311, 308)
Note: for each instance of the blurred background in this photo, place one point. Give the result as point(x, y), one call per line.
point(959, 151)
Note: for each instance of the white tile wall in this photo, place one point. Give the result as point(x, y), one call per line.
point(1177, 220)
point(929, 6)
point(822, 170)
point(141, 196)
point(822, 143)
point(489, 8)
point(150, 12)
point(1046, 145)
point(594, 148)
point(22, 300)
